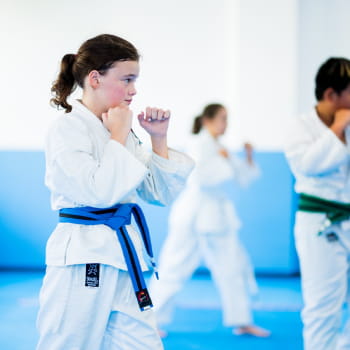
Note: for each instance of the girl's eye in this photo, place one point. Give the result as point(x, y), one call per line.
point(129, 80)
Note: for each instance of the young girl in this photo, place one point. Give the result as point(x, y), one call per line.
point(93, 295)
point(203, 224)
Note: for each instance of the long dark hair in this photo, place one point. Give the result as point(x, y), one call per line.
point(335, 74)
point(98, 53)
point(209, 113)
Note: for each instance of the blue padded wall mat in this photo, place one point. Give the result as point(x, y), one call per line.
point(266, 209)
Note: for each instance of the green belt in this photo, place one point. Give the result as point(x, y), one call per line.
point(336, 212)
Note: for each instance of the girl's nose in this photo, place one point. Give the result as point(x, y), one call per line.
point(132, 91)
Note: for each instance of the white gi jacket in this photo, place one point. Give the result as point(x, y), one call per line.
point(84, 167)
point(319, 161)
point(205, 198)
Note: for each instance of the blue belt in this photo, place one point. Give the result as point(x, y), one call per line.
point(116, 218)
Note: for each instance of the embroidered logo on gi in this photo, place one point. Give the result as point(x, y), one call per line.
point(92, 275)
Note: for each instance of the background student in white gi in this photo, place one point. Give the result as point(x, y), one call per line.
point(318, 154)
point(203, 224)
point(93, 159)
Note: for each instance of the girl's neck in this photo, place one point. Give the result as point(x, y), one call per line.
point(325, 112)
point(212, 133)
point(91, 105)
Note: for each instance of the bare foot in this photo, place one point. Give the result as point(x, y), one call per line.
point(163, 334)
point(252, 330)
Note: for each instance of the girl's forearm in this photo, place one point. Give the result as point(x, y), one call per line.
point(160, 146)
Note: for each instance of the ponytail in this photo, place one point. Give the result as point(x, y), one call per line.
point(65, 83)
point(197, 125)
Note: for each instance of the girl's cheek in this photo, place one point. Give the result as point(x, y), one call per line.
point(116, 94)
point(120, 91)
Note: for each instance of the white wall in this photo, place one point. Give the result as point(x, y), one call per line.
point(257, 57)
point(267, 71)
point(324, 29)
point(187, 49)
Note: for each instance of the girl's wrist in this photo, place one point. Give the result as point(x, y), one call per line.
point(119, 138)
point(160, 146)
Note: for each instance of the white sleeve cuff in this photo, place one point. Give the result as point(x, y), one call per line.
point(178, 162)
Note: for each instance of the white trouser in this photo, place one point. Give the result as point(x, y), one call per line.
point(325, 281)
point(75, 317)
point(227, 261)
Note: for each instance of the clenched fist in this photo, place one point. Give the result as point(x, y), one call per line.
point(155, 121)
point(118, 121)
point(340, 123)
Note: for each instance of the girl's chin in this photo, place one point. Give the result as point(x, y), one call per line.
point(113, 105)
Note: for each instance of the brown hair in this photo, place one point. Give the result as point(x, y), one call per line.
point(98, 53)
point(209, 112)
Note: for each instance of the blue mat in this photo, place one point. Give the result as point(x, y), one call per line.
point(202, 329)
point(26, 220)
point(195, 326)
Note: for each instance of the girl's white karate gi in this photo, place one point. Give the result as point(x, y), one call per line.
point(84, 167)
point(321, 165)
point(203, 224)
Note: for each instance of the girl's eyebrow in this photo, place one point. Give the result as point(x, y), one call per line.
point(130, 76)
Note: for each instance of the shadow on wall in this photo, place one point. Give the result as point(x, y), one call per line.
point(266, 210)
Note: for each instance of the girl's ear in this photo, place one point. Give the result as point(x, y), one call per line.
point(330, 95)
point(93, 79)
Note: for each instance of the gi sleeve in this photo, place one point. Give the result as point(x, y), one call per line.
point(314, 156)
point(74, 172)
point(165, 178)
point(244, 173)
point(213, 171)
